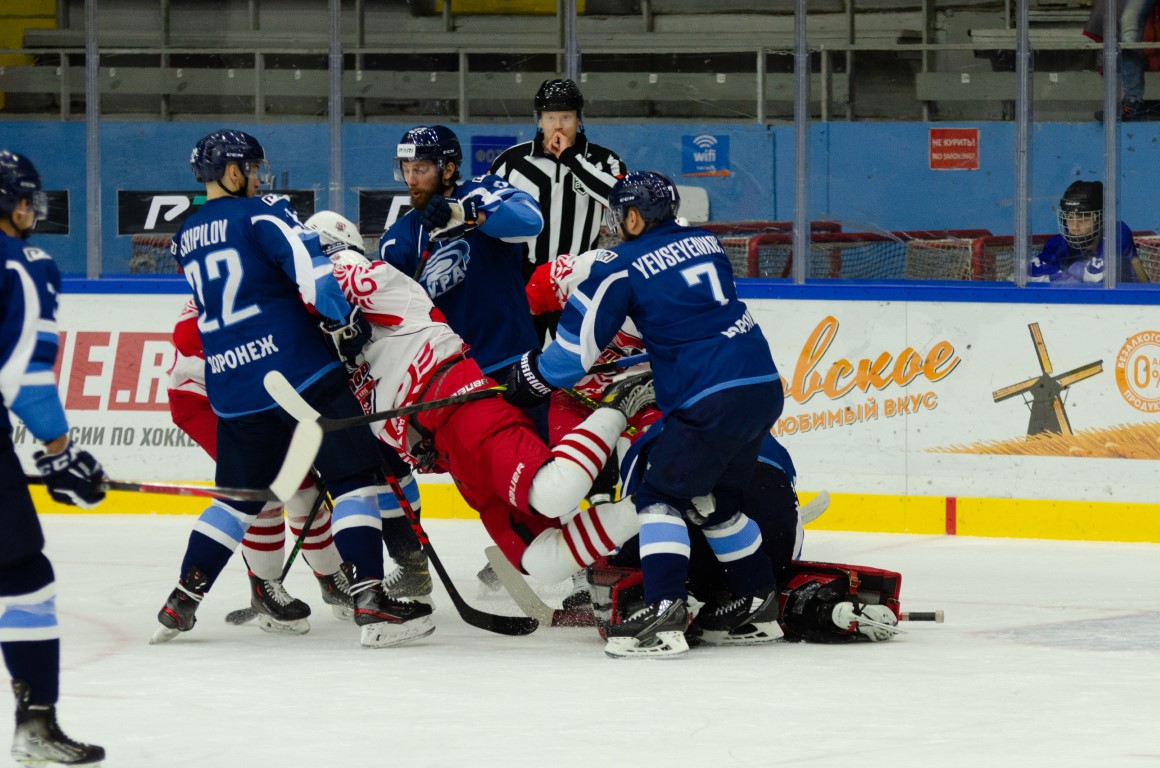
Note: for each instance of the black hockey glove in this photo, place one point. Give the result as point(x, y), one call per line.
point(437, 213)
point(525, 387)
point(348, 337)
point(73, 476)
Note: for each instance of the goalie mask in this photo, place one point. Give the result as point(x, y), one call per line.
point(652, 193)
point(336, 233)
point(1080, 214)
point(437, 143)
point(20, 181)
point(217, 150)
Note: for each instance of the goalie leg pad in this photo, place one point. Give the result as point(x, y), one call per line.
point(813, 591)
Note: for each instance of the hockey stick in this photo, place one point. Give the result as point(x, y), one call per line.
point(294, 404)
point(936, 616)
point(810, 512)
point(529, 602)
point(284, 394)
point(620, 363)
point(244, 615)
point(299, 456)
point(502, 625)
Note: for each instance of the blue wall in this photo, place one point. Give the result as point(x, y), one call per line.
point(868, 176)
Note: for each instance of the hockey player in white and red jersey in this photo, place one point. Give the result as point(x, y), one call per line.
point(520, 487)
point(264, 541)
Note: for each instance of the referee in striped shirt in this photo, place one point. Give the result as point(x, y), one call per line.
point(569, 176)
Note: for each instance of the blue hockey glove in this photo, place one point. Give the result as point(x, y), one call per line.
point(525, 387)
point(73, 476)
point(437, 213)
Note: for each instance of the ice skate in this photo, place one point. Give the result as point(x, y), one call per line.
point(336, 594)
point(579, 597)
point(875, 622)
point(278, 612)
point(39, 741)
point(177, 615)
point(745, 621)
point(411, 579)
point(386, 621)
point(489, 583)
point(655, 630)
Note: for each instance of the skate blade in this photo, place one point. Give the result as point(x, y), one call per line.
point(275, 627)
point(756, 634)
point(163, 634)
point(670, 645)
point(342, 612)
point(384, 634)
point(47, 762)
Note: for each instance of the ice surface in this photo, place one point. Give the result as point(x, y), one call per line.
point(1048, 657)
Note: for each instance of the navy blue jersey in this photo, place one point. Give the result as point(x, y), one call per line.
point(677, 286)
point(29, 288)
point(1061, 264)
point(255, 272)
point(475, 281)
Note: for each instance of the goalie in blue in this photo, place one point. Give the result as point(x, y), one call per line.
point(716, 385)
point(29, 635)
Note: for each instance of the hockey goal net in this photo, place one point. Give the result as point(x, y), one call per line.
point(152, 254)
point(738, 238)
point(917, 255)
point(1148, 249)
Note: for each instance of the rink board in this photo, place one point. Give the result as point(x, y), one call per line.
point(893, 405)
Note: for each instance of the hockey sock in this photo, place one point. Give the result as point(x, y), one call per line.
point(398, 535)
point(264, 542)
point(357, 532)
point(216, 534)
point(736, 543)
point(664, 553)
point(557, 554)
point(28, 628)
point(577, 459)
point(318, 547)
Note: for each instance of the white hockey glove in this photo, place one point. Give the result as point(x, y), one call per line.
point(348, 337)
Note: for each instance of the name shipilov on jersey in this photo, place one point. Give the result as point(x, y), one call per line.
point(243, 354)
point(655, 262)
point(210, 233)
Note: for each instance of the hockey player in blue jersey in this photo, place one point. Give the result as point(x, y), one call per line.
point(472, 269)
point(716, 385)
point(259, 280)
point(1076, 255)
point(29, 635)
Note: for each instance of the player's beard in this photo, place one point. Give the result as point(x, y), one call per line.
point(420, 197)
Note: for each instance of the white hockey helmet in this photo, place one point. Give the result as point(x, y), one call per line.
point(336, 232)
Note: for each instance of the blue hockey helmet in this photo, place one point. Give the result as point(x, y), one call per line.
point(20, 181)
point(216, 150)
point(650, 192)
point(437, 143)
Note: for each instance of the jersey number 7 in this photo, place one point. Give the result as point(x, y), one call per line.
point(693, 277)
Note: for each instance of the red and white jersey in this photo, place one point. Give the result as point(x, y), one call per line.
point(548, 291)
point(188, 371)
point(409, 338)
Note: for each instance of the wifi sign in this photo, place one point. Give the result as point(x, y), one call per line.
point(705, 155)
